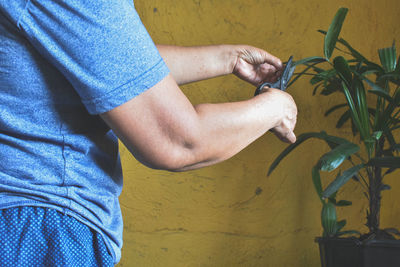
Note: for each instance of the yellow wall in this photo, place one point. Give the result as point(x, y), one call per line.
point(231, 214)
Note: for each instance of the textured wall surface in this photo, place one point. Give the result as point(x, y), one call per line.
point(232, 214)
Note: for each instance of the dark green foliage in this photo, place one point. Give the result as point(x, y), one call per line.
point(371, 92)
point(336, 156)
point(341, 180)
point(333, 32)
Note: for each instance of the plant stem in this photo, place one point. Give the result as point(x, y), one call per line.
point(375, 182)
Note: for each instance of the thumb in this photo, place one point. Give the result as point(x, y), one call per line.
point(291, 137)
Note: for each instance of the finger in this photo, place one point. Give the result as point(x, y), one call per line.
point(269, 73)
point(287, 138)
point(258, 56)
point(291, 137)
point(272, 60)
point(268, 68)
point(278, 73)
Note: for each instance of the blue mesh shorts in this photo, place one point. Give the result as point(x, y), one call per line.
point(36, 236)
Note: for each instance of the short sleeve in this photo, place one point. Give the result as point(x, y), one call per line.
point(101, 47)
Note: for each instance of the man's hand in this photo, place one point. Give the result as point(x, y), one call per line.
point(255, 65)
point(288, 110)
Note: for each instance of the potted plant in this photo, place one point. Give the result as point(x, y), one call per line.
point(371, 104)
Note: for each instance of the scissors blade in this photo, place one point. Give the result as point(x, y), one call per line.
point(288, 66)
point(291, 73)
point(282, 82)
point(287, 73)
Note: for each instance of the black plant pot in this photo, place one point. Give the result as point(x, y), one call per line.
point(351, 252)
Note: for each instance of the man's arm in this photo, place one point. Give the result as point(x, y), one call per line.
point(190, 64)
point(163, 130)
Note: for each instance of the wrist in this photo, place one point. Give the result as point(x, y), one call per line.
point(231, 56)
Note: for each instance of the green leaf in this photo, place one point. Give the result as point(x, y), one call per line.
point(385, 187)
point(390, 138)
point(371, 66)
point(317, 181)
point(328, 219)
point(392, 231)
point(332, 86)
point(345, 117)
point(354, 113)
point(316, 88)
point(314, 67)
point(354, 52)
point(316, 79)
point(336, 156)
point(343, 69)
point(332, 35)
point(377, 135)
point(376, 89)
point(342, 203)
point(332, 199)
point(340, 225)
point(361, 99)
point(356, 178)
point(328, 90)
point(341, 180)
point(396, 98)
point(397, 70)
point(388, 58)
point(300, 139)
point(390, 170)
point(385, 162)
point(309, 60)
point(389, 76)
point(332, 109)
point(349, 232)
point(381, 93)
point(323, 76)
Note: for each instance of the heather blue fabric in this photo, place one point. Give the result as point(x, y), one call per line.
point(36, 236)
point(61, 64)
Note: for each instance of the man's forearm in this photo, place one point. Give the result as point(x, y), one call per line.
point(227, 128)
point(169, 133)
point(190, 64)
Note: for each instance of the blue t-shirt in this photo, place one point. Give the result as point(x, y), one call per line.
point(61, 64)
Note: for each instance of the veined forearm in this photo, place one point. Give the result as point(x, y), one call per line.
point(190, 64)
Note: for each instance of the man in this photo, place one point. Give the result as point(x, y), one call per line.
point(72, 70)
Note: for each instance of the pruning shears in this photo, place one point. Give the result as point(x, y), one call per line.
point(283, 81)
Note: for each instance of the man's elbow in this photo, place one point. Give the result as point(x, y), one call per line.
point(157, 158)
point(177, 159)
